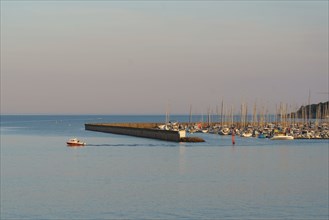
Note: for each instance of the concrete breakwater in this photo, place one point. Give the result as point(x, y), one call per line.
point(146, 130)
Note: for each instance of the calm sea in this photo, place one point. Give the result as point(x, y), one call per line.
point(123, 177)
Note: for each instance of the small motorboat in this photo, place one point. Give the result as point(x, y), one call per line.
point(224, 131)
point(246, 134)
point(75, 142)
point(282, 137)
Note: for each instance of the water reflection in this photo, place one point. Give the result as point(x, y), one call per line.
point(284, 158)
point(182, 168)
point(128, 175)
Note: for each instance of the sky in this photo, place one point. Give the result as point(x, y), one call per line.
point(149, 57)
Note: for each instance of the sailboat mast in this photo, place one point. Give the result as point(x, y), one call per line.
point(221, 113)
point(190, 117)
point(167, 113)
point(309, 107)
point(254, 117)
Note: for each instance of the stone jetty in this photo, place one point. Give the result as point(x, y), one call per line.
point(146, 130)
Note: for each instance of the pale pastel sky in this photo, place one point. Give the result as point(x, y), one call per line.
point(136, 57)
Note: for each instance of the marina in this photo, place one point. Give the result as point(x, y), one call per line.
point(282, 127)
point(268, 130)
point(309, 122)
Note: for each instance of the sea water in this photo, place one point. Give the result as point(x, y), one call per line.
point(124, 177)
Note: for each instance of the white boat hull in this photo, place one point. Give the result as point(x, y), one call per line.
point(282, 137)
point(246, 135)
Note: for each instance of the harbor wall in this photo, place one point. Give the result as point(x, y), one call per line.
point(146, 130)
